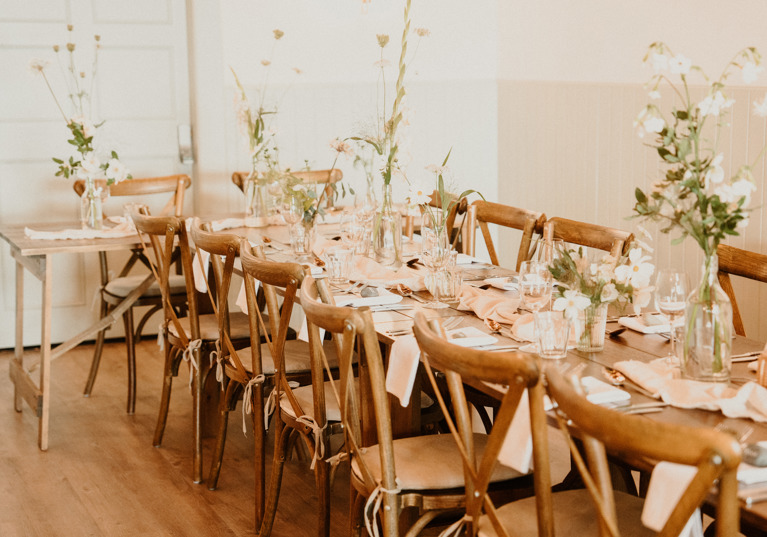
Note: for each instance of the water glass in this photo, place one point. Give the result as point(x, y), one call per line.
point(553, 332)
point(671, 290)
point(535, 283)
point(338, 264)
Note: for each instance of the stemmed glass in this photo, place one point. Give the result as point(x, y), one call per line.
point(535, 283)
point(671, 289)
point(550, 250)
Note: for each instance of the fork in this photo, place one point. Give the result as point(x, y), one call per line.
point(741, 435)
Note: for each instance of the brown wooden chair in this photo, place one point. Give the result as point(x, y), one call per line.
point(743, 263)
point(327, 177)
point(481, 213)
point(614, 241)
point(598, 509)
point(113, 291)
point(423, 473)
point(192, 338)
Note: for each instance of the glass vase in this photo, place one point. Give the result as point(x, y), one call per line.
point(387, 232)
point(91, 214)
point(302, 238)
point(256, 206)
point(590, 328)
point(708, 328)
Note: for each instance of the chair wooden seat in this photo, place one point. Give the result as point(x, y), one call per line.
point(574, 514)
point(429, 463)
point(238, 323)
point(296, 357)
point(305, 397)
point(122, 287)
point(738, 262)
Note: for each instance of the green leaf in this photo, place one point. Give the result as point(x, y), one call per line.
point(640, 196)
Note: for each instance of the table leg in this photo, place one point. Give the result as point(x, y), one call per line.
point(45, 358)
point(19, 348)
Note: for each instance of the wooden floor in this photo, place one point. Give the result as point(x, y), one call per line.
point(101, 475)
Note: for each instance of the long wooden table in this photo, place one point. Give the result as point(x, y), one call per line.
point(35, 256)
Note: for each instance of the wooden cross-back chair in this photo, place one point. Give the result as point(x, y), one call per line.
point(422, 473)
point(113, 291)
point(614, 241)
point(598, 509)
point(300, 412)
point(738, 262)
point(472, 367)
point(191, 338)
point(318, 177)
point(481, 213)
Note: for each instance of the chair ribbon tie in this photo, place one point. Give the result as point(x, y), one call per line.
point(373, 505)
point(188, 356)
point(336, 459)
point(454, 529)
point(319, 445)
point(247, 398)
point(161, 335)
point(269, 407)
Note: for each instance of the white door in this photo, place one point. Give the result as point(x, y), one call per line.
point(141, 91)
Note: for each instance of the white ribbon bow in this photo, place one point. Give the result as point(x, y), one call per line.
point(247, 398)
point(188, 356)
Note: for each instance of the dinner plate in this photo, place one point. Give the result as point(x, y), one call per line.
point(470, 337)
point(384, 298)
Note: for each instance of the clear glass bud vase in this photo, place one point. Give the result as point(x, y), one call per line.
point(256, 202)
point(91, 214)
point(387, 232)
point(590, 328)
point(708, 328)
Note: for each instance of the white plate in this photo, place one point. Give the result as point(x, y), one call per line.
point(470, 337)
point(384, 298)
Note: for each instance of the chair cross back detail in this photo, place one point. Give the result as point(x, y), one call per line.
point(738, 262)
point(145, 186)
point(481, 213)
point(327, 177)
point(614, 241)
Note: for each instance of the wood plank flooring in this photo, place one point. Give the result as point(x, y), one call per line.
point(101, 475)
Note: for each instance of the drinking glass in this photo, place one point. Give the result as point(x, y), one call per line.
point(292, 210)
point(671, 288)
point(435, 254)
point(548, 251)
point(535, 283)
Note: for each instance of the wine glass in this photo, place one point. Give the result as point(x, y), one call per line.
point(535, 284)
point(550, 250)
point(291, 209)
point(670, 298)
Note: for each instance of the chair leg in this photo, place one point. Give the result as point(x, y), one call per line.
point(356, 508)
point(232, 388)
point(130, 344)
point(282, 436)
point(197, 402)
point(162, 417)
point(96, 353)
point(322, 478)
point(259, 452)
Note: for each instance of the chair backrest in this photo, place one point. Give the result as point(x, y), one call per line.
point(743, 263)
point(175, 184)
point(166, 232)
point(351, 327)
point(519, 372)
point(481, 213)
point(595, 236)
point(327, 177)
point(715, 454)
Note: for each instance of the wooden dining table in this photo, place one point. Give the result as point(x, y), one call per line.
point(36, 257)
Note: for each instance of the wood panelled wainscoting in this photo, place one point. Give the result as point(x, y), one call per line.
point(570, 150)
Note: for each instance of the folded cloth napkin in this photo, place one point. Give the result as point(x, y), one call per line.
point(601, 393)
point(517, 449)
point(384, 298)
point(748, 401)
point(523, 328)
point(124, 229)
point(507, 284)
point(667, 484)
point(648, 324)
point(470, 337)
point(369, 270)
point(200, 264)
point(464, 259)
point(226, 223)
point(403, 366)
point(500, 308)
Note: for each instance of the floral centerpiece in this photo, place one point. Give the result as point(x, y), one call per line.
point(695, 197)
point(87, 165)
point(387, 228)
point(253, 122)
point(586, 289)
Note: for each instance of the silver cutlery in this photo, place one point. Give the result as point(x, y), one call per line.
point(745, 357)
point(407, 292)
point(616, 378)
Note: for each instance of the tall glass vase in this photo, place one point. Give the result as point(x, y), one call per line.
point(590, 328)
point(256, 206)
point(387, 232)
point(708, 328)
point(91, 214)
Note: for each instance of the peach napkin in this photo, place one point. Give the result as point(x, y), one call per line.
point(500, 308)
point(667, 484)
point(403, 366)
point(369, 270)
point(517, 449)
point(524, 327)
point(124, 229)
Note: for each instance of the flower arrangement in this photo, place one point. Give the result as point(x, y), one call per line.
point(583, 284)
point(695, 198)
point(87, 165)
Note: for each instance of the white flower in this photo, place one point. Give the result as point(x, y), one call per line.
point(341, 146)
point(87, 126)
point(609, 293)
point(714, 173)
point(751, 72)
point(571, 303)
point(654, 95)
point(732, 193)
point(438, 170)
point(642, 298)
point(417, 196)
point(89, 167)
point(742, 224)
point(760, 107)
point(36, 65)
point(654, 124)
point(116, 170)
point(659, 62)
point(714, 104)
point(637, 271)
point(679, 65)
